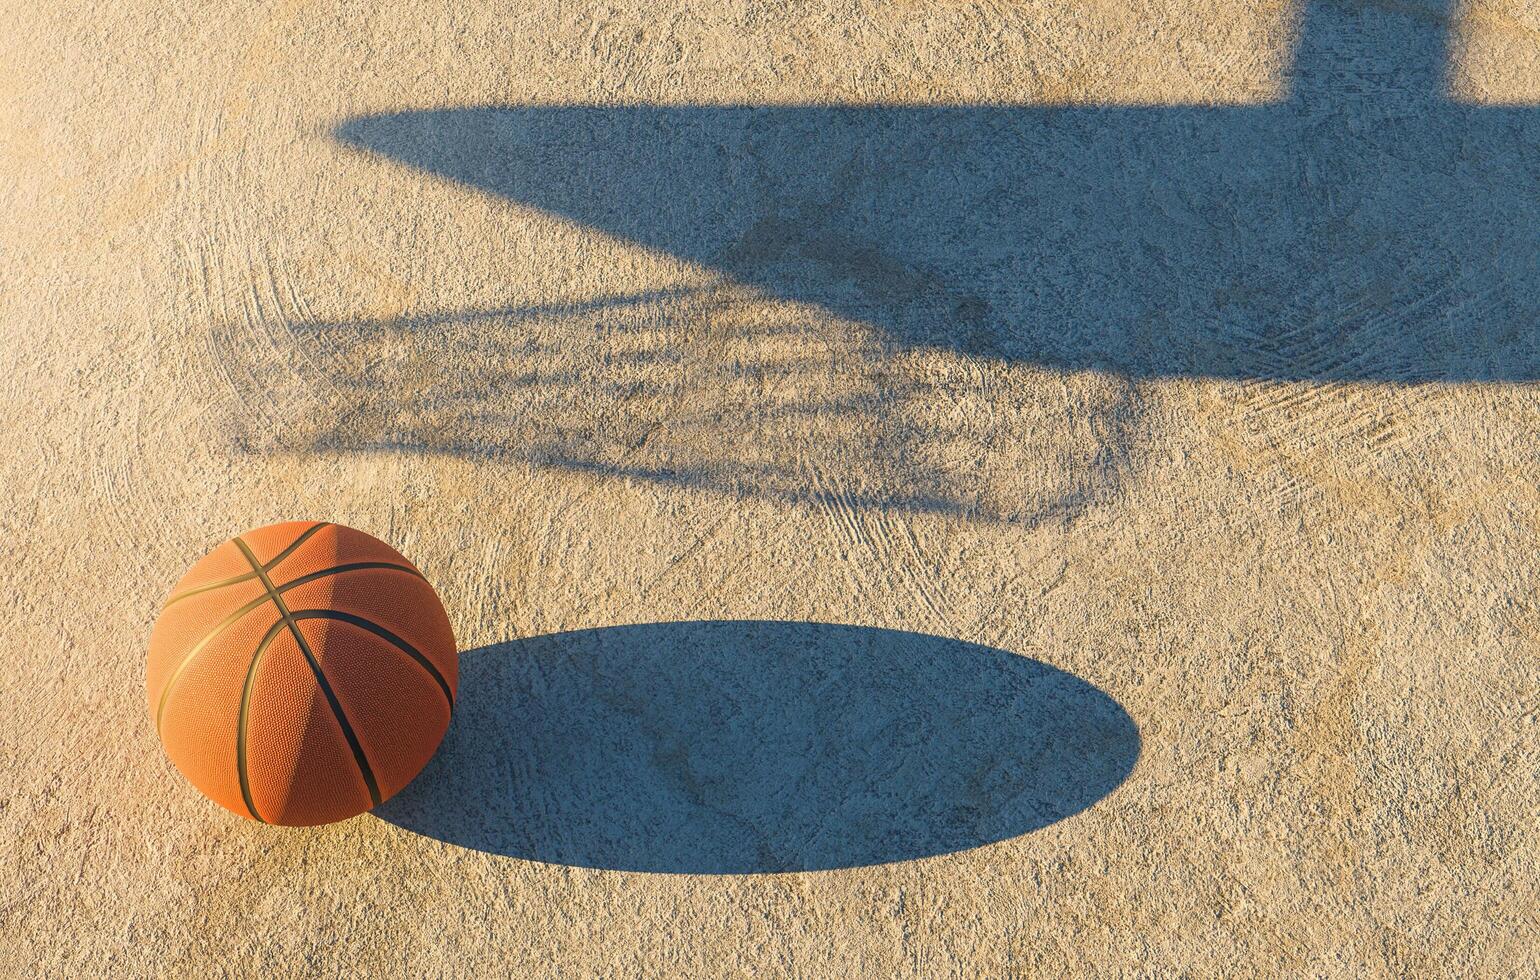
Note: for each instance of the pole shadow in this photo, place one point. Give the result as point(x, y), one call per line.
point(759, 746)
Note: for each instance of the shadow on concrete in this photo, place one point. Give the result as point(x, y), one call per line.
point(745, 747)
point(998, 284)
point(1367, 228)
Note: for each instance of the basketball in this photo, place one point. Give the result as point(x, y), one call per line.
point(302, 673)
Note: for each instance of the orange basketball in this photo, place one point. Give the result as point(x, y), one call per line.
point(302, 673)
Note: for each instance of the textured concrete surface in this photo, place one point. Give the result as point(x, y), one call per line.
point(921, 488)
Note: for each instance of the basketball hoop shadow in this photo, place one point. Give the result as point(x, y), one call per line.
point(1334, 259)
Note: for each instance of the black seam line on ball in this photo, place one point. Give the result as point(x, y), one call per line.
point(246, 576)
point(320, 676)
point(388, 637)
point(222, 625)
point(240, 724)
point(356, 566)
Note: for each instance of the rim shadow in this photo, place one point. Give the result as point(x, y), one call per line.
point(753, 747)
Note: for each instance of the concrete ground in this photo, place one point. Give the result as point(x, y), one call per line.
point(923, 488)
